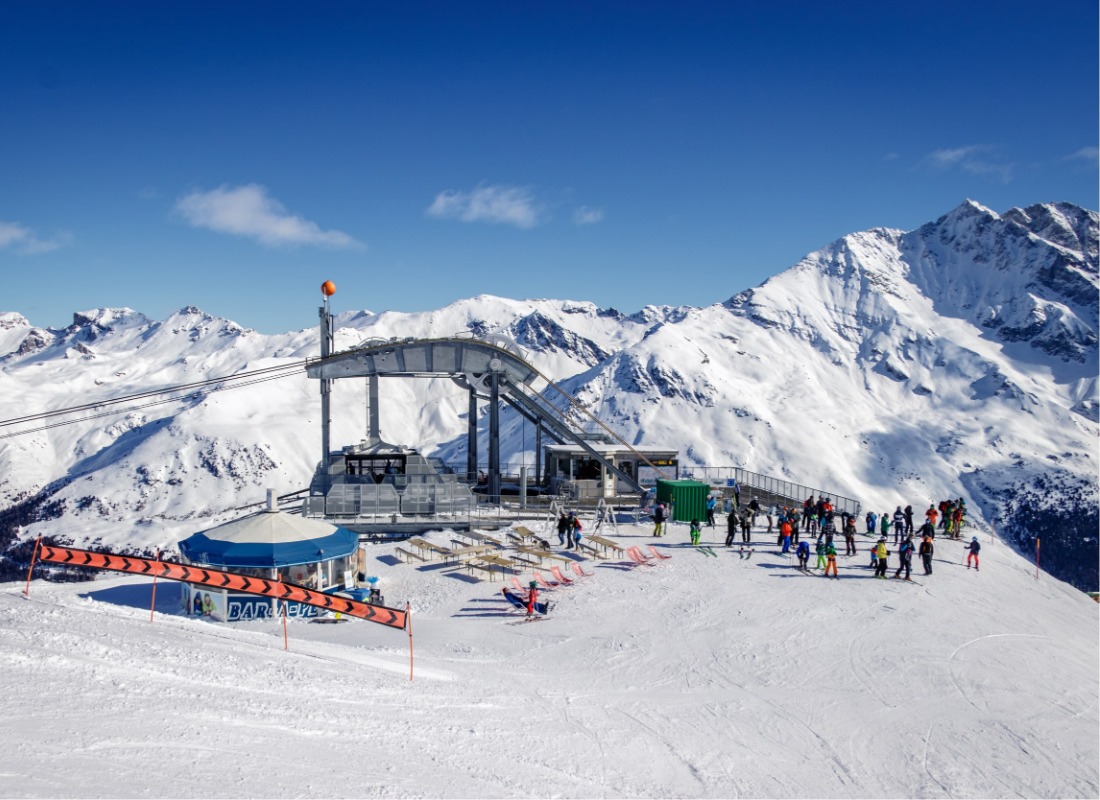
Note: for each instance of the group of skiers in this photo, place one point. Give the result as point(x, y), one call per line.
point(818, 519)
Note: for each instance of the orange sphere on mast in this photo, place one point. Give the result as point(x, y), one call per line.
point(328, 288)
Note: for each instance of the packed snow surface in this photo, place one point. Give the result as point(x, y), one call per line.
point(696, 677)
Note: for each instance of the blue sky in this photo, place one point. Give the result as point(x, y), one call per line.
point(234, 155)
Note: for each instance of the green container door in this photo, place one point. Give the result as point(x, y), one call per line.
point(687, 498)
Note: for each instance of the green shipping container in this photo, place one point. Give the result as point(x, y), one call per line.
point(688, 499)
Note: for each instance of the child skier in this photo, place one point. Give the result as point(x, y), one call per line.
point(819, 548)
point(972, 553)
point(695, 531)
point(803, 553)
point(830, 554)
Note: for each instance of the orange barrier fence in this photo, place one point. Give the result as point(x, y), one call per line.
point(232, 581)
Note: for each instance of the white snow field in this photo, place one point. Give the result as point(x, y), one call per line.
point(696, 677)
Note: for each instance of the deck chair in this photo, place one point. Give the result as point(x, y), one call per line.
point(577, 568)
point(636, 556)
point(544, 582)
point(659, 554)
point(521, 602)
point(556, 572)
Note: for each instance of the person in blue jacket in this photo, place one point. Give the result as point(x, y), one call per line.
point(803, 553)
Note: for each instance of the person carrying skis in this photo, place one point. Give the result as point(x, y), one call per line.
point(972, 553)
point(881, 553)
point(926, 551)
point(659, 519)
point(819, 548)
point(905, 557)
point(695, 531)
point(803, 553)
point(830, 555)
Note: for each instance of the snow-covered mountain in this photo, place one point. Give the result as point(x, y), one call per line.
point(959, 359)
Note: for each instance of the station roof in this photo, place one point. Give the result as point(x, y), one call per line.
point(269, 539)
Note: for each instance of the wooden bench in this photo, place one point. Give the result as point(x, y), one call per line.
point(474, 563)
point(423, 544)
point(587, 548)
point(407, 555)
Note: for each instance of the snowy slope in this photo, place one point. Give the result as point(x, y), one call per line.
point(959, 359)
point(699, 677)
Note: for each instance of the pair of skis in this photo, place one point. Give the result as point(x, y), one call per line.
point(706, 550)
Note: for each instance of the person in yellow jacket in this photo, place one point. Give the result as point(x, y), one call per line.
point(880, 553)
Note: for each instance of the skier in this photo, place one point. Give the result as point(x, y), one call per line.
point(575, 529)
point(850, 537)
point(908, 520)
point(926, 550)
point(785, 535)
point(711, 503)
point(819, 548)
point(880, 553)
point(746, 525)
point(695, 531)
point(931, 514)
point(731, 527)
point(659, 519)
point(770, 514)
point(872, 520)
point(803, 553)
point(899, 524)
point(830, 554)
point(884, 525)
point(905, 556)
point(972, 553)
point(563, 528)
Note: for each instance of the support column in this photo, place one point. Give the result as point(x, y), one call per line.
point(471, 439)
point(494, 437)
point(374, 435)
point(326, 394)
point(538, 451)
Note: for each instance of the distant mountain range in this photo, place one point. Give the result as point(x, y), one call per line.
point(958, 359)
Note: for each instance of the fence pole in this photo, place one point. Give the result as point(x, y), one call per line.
point(153, 604)
point(34, 557)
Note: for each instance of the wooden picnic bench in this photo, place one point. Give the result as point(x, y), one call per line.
point(541, 554)
point(408, 555)
point(424, 545)
point(607, 544)
point(587, 548)
point(483, 538)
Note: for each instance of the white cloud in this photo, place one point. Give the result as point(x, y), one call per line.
point(23, 240)
point(250, 211)
point(586, 215)
point(510, 205)
point(1087, 154)
point(977, 159)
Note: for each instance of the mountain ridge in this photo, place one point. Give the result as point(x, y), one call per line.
point(888, 366)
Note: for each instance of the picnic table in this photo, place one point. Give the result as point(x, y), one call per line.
point(483, 538)
point(493, 561)
point(542, 554)
point(423, 545)
point(606, 544)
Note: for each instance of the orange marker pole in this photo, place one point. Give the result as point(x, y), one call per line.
point(34, 557)
point(153, 605)
point(409, 622)
point(286, 641)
